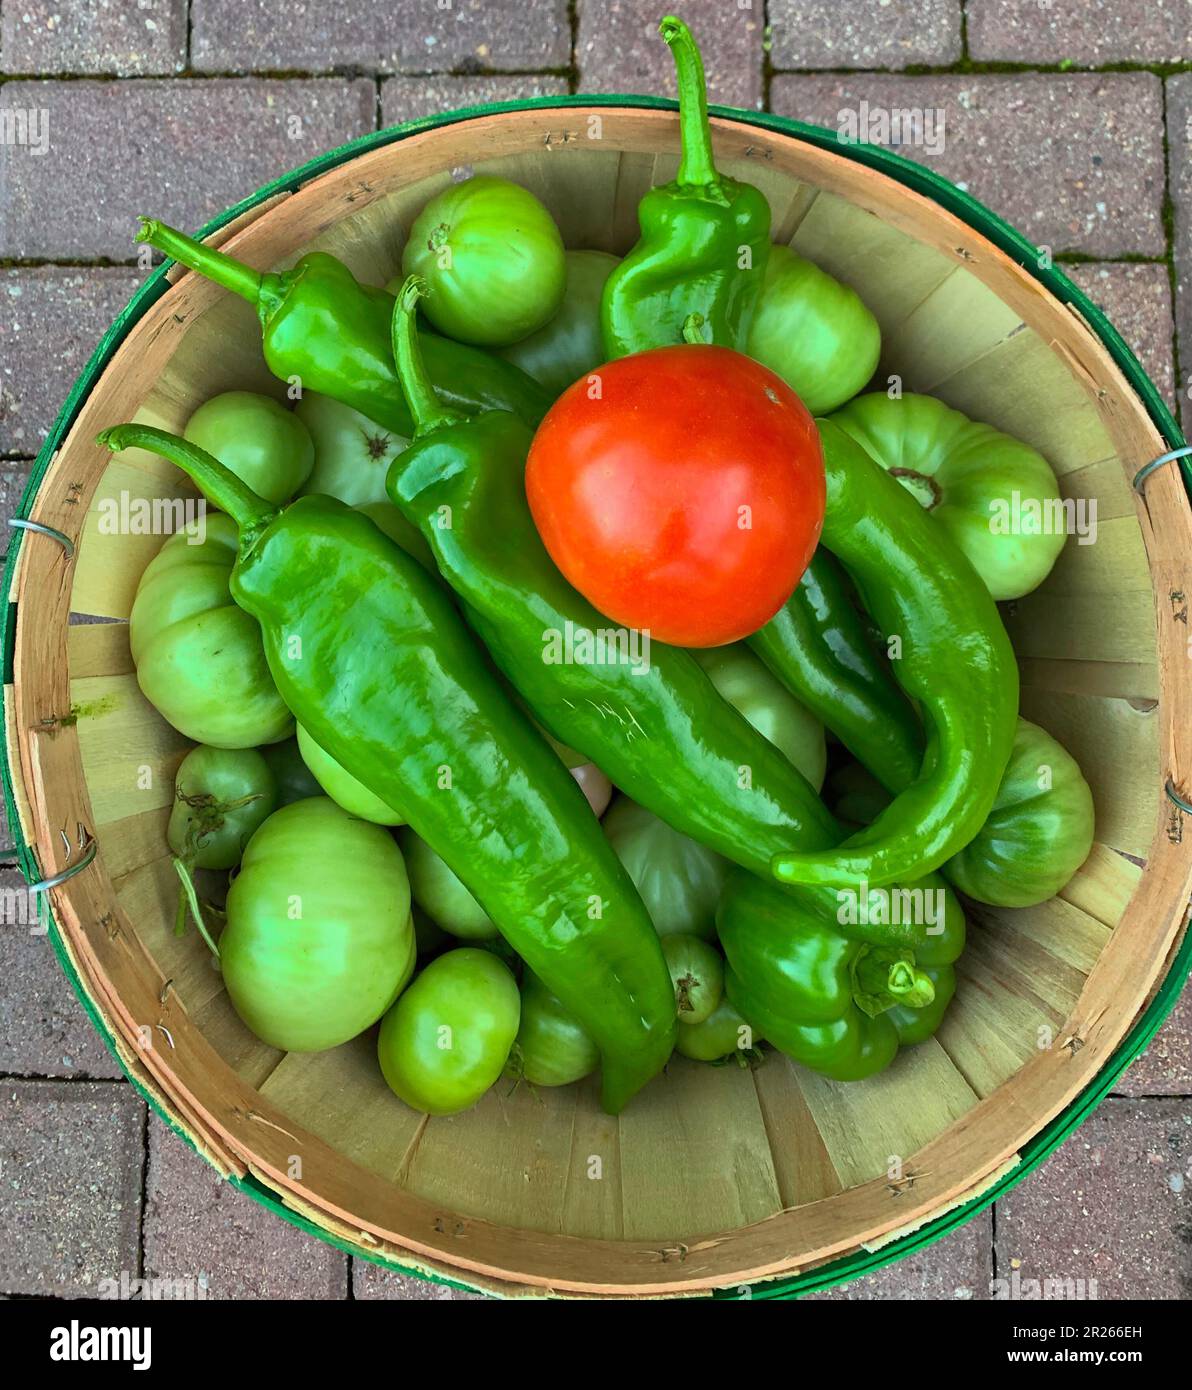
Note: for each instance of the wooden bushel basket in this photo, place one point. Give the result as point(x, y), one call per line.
point(713, 1178)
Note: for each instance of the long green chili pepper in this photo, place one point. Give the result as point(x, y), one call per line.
point(321, 326)
point(956, 659)
point(650, 718)
point(818, 646)
point(704, 241)
point(373, 659)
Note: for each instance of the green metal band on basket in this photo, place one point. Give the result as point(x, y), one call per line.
point(20, 523)
point(1148, 468)
point(917, 178)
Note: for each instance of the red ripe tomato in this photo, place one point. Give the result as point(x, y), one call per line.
point(680, 491)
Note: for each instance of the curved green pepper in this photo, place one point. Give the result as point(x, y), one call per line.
point(838, 1006)
point(321, 326)
point(651, 719)
point(955, 659)
point(372, 657)
point(818, 646)
point(704, 238)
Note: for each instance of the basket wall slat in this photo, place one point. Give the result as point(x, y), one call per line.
point(1111, 564)
point(1031, 967)
point(134, 842)
point(1103, 886)
point(99, 649)
point(1057, 927)
point(252, 1060)
point(1078, 630)
point(1122, 680)
point(802, 1163)
point(594, 1206)
point(990, 1032)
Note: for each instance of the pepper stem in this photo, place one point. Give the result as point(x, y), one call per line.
point(696, 166)
point(693, 329)
point(883, 978)
point(219, 485)
point(262, 289)
point(428, 411)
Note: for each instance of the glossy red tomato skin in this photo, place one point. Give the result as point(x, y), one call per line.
point(640, 478)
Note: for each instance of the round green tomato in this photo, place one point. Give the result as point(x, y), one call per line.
point(995, 496)
point(448, 1037)
point(295, 780)
point(814, 332)
point(1039, 832)
point(263, 443)
point(754, 691)
point(221, 795)
point(344, 789)
point(552, 1048)
point(319, 937)
point(724, 1033)
point(199, 657)
point(440, 894)
point(570, 345)
point(352, 454)
point(697, 973)
point(679, 879)
point(492, 258)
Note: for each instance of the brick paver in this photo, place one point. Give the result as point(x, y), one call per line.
point(827, 34)
point(1137, 299)
point(1088, 32)
point(123, 37)
point(1110, 1206)
point(618, 49)
point(72, 1156)
point(415, 36)
point(1179, 144)
point(1074, 161)
point(51, 319)
point(198, 1227)
point(181, 150)
point(43, 1029)
point(407, 98)
point(1165, 1068)
point(957, 1268)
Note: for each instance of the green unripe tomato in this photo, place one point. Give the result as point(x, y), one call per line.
point(344, 789)
point(295, 780)
point(319, 938)
point(552, 1048)
point(1039, 832)
point(440, 894)
point(448, 1037)
point(199, 657)
point(724, 1033)
point(679, 879)
point(571, 344)
point(814, 332)
point(221, 795)
point(493, 261)
point(749, 685)
point(351, 454)
point(697, 973)
point(258, 439)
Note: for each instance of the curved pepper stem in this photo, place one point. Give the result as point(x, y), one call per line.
point(696, 166)
point(219, 485)
point(263, 289)
point(883, 978)
point(426, 408)
point(693, 330)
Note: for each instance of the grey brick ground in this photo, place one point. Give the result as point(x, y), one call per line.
point(1088, 32)
point(1074, 161)
point(1179, 144)
point(124, 37)
point(1137, 299)
point(182, 150)
point(1110, 1205)
point(618, 49)
point(51, 319)
point(43, 1029)
point(72, 1157)
point(371, 1281)
point(407, 98)
point(199, 1227)
point(958, 1268)
point(827, 34)
point(415, 36)
point(1165, 1068)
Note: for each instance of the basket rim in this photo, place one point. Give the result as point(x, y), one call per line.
point(920, 179)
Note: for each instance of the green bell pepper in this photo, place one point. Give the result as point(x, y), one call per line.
point(996, 497)
point(371, 656)
point(329, 332)
point(704, 238)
